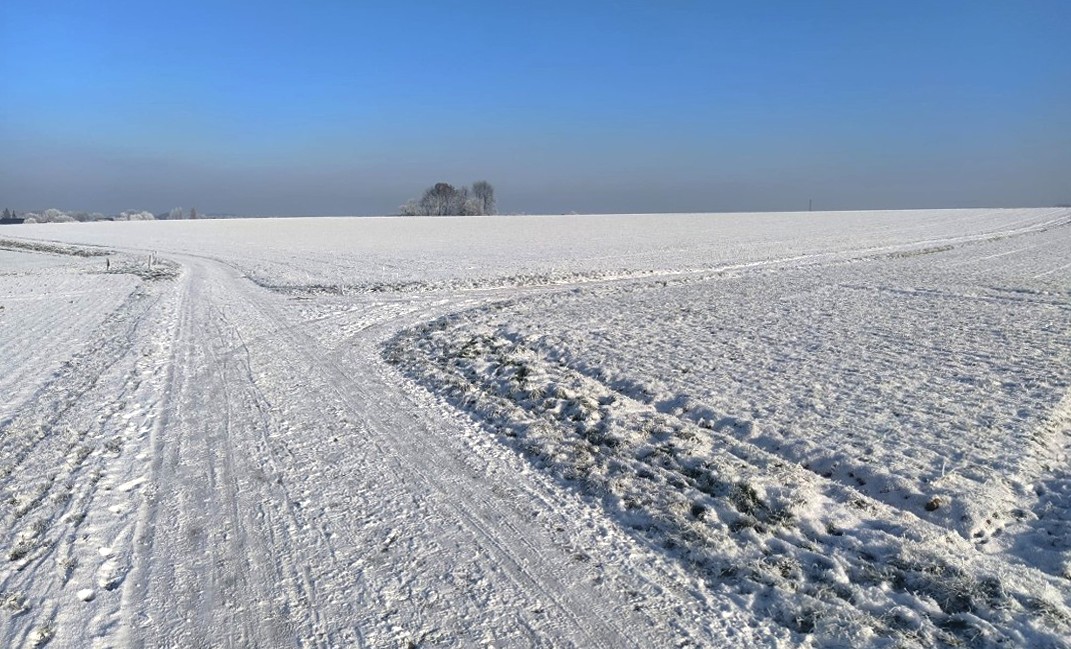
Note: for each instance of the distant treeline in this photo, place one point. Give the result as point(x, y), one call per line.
point(53, 215)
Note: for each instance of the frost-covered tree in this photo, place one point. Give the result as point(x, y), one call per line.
point(472, 207)
point(52, 215)
point(438, 199)
point(484, 194)
point(459, 203)
point(410, 208)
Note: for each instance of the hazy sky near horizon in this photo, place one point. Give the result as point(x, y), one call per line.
point(337, 107)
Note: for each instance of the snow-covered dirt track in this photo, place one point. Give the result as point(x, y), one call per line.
point(705, 430)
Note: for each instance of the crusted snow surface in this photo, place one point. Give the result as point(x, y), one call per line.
point(827, 429)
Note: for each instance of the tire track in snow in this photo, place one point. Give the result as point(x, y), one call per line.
point(507, 544)
point(208, 548)
point(79, 437)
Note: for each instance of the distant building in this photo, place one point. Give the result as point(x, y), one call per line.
point(11, 221)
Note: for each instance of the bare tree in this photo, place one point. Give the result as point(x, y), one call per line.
point(438, 200)
point(484, 193)
point(472, 207)
point(410, 208)
point(459, 203)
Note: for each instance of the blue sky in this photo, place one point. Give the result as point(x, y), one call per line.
point(352, 107)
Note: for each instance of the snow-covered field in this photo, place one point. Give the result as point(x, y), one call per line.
point(823, 429)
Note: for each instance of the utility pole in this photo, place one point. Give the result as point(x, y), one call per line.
point(810, 205)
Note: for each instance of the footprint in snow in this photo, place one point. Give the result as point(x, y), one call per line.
point(110, 575)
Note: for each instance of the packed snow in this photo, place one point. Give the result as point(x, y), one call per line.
point(818, 429)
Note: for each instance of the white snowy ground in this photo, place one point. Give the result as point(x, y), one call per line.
point(717, 430)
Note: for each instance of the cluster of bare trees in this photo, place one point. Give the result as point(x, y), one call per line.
point(443, 199)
